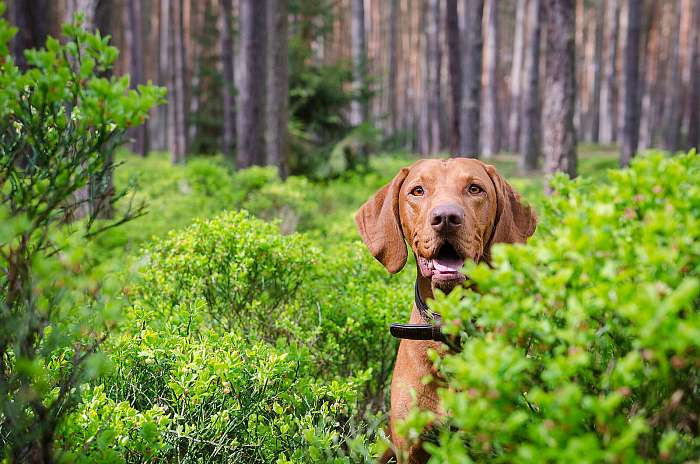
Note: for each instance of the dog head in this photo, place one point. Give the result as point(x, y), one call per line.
point(448, 211)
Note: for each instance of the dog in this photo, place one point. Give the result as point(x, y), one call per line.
point(448, 211)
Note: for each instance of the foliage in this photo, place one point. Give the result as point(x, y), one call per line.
point(584, 345)
point(59, 123)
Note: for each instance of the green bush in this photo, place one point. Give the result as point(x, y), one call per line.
point(238, 270)
point(60, 122)
point(584, 345)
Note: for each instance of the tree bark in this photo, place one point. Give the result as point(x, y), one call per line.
point(530, 117)
point(492, 113)
point(251, 90)
point(229, 84)
point(595, 94)
point(176, 101)
point(674, 87)
point(516, 80)
point(471, 78)
point(134, 31)
point(393, 68)
point(32, 19)
point(651, 77)
point(693, 138)
point(630, 131)
point(277, 86)
point(454, 56)
point(433, 62)
point(359, 107)
point(608, 90)
point(559, 135)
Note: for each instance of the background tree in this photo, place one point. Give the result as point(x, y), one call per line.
point(608, 90)
point(630, 130)
point(33, 20)
point(277, 86)
point(454, 61)
point(471, 78)
point(359, 108)
point(559, 135)
point(530, 106)
point(228, 78)
point(516, 79)
point(492, 115)
point(251, 88)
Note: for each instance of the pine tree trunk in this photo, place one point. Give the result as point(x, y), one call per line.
point(176, 101)
point(516, 79)
point(229, 84)
point(651, 73)
point(277, 86)
point(530, 106)
point(471, 78)
point(595, 94)
point(393, 68)
point(492, 114)
point(454, 56)
point(433, 61)
point(693, 138)
point(359, 107)
point(608, 90)
point(32, 19)
point(674, 87)
point(251, 90)
point(165, 70)
point(558, 133)
point(198, 12)
point(630, 131)
point(134, 31)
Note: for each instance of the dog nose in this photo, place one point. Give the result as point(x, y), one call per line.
point(446, 218)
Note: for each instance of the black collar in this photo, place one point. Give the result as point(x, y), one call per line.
point(430, 330)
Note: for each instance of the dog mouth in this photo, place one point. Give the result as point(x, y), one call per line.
point(445, 266)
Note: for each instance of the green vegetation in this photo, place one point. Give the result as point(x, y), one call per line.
point(584, 345)
point(241, 320)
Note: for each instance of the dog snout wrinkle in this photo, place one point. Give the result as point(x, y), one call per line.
point(446, 218)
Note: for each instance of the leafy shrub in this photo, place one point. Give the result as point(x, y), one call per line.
point(59, 124)
point(584, 345)
point(238, 270)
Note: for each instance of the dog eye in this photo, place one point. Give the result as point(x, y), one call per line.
point(417, 191)
point(474, 189)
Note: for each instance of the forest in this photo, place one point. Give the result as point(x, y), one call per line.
point(182, 279)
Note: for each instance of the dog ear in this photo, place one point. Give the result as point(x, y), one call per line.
point(515, 221)
point(380, 226)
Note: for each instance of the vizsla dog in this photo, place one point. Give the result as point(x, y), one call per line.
point(448, 211)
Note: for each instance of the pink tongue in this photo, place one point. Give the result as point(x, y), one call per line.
point(447, 265)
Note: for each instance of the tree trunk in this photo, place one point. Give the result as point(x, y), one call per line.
point(630, 131)
point(492, 114)
point(595, 94)
point(393, 68)
point(134, 32)
point(651, 77)
point(674, 87)
point(433, 62)
point(358, 108)
point(608, 90)
point(471, 78)
point(176, 101)
point(693, 138)
point(516, 80)
point(277, 86)
point(454, 56)
point(530, 117)
point(251, 91)
point(558, 133)
point(198, 12)
point(32, 19)
point(229, 84)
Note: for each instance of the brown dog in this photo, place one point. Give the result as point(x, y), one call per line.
point(448, 211)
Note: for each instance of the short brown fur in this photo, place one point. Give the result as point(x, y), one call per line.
point(395, 215)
